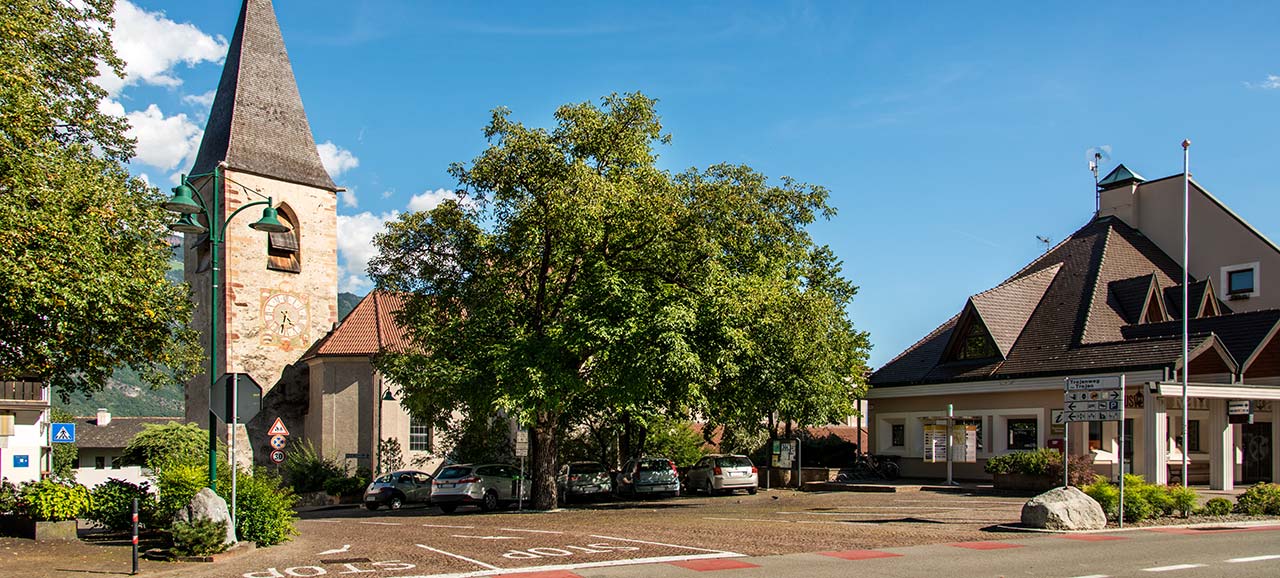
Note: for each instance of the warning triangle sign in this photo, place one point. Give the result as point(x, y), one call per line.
point(63, 434)
point(278, 429)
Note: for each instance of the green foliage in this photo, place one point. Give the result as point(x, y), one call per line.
point(1217, 507)
point(264, 506)
point(177, 484)
point(307, 471)
point(9, 500)
point(1141, 500)
point(674, 440)
point(479, 439)
point(578, 277)
point(1259, 500)
point(1104, 493)
point(1183, 499)
point(53, 500)
point(1035, 463)
point(346, 486)
point(83, 250)
point(127, 394)
point(65, 456)
point(390, 456)
point(160, 446)
point(200, 537)
point(113, 503)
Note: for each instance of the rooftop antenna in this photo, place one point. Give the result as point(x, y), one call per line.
point(1096, 156)
point(1046, 242)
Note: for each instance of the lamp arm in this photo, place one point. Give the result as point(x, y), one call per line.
point(237, 212)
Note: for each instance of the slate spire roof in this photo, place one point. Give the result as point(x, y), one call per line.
point(1084, 306)
point(257, 123)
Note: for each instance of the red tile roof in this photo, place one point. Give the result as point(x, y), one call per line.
point(369, 329)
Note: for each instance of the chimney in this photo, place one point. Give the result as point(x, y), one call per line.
point(104, 416)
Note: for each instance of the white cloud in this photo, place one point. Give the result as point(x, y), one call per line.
point(164, 142)
point(348, 197)
point(387, 194)
point(1271, 83)
point(430, 199)
point(336, 160)
point(355, 247)
point(152, 45)
point(203, 101)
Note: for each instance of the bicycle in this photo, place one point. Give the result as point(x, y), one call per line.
point(870, 467)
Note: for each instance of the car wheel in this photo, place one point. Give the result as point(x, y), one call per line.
point(371, 506)
point(490, 502)
point(711, 491)
point(751, 490)
point(448, 508)
point(395, 502)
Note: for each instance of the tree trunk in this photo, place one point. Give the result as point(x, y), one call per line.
point(543, 490)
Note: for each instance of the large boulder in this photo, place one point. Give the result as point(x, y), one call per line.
point(1063, 509)
point(207, 505)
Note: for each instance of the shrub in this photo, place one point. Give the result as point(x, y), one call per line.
point(345, 486)
point(1080, 474)
point(1217, 507)
point(200, 537)
point(113, 503)
point(674, 440)
point(1136, 506)
point(1036, 463)
point(307, 471)
point(1184, 499)
point(1105, 494)
point(264, 506)
point(8, 497)
point(54, 501)
point(1260, 499)
point(171, 444)
point(177, 484)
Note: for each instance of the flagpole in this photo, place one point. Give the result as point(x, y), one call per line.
point(1186, 363)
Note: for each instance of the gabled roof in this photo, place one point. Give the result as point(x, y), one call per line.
point(117, 433)
point(370, 328)
point(1200, 294)
point(1121, 175)
point(1088, 317)
point(257, 123)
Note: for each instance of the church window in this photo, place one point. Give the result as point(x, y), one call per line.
point(283, 249)
point(419, 435)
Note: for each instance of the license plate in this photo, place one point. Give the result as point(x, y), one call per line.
point(370, 498)
point(448, 485)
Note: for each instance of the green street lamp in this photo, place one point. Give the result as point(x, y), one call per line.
point(190, 203)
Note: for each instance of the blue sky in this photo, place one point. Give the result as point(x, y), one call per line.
point(950, 134)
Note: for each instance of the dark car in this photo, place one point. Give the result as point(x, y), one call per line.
point(649, 475)
point(583, 480)
point(398, 488)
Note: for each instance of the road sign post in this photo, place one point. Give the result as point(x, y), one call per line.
point(522, 450)
point(1090, 399)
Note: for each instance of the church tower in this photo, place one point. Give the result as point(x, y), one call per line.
point(278, 291)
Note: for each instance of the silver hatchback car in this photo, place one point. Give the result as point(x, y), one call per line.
point(489, 486)
point(723, 473)
point(397, 488)
point(649, 476)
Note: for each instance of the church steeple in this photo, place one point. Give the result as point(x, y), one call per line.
point(257, 124)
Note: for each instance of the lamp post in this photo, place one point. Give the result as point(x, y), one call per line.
point(189, 202)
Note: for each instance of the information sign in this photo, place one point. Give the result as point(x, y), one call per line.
point(1239, 411)
point(1092, 399)
point(522, 443)
point(785, 452)
point(935, 443)
point(964, 443)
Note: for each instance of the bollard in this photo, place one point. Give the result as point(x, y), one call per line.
point(135, 537)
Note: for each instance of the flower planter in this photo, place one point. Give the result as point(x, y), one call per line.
point(1024, 482)
point(24, 527)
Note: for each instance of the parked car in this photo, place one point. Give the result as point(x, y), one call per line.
point(398, 488)
point(648, 476)
point(723, 473)
point(583, 479)
point(490, 486)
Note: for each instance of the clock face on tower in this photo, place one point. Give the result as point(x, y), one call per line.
point(284, 318)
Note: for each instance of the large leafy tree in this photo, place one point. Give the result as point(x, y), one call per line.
point(82, 244)
point(575, 275)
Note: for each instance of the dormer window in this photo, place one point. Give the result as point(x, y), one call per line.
point(977, 344)
point(1241, 281)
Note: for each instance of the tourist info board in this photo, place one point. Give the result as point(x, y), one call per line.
point(1092, 399)
point(964, 443)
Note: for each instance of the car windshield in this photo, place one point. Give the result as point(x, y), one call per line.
point(587, 468)
point(654, 465)
point(733, 462)
point(454, 472)
point(384, 479)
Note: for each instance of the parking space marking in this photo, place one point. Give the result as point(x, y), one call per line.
point(459, 556)
point(488, 537)
point(531, 531)
point(345, 548)
point(662, 544)
point(1173, 568)
point(1254, 559)
point(448, 526)
point(381, 523)
point(538, 570)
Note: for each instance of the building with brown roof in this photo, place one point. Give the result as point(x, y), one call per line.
point(100, 441)
point(1107, 301)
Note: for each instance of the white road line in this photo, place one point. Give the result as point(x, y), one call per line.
point(488, 537)
point(559, 567)
point(447, 526)
point(1173, 568)
point(661, 544)
point(460, 557)
point(381, 523)
point(776, 521)
point(531, 531)
point(345, 548)
point(1254, 559)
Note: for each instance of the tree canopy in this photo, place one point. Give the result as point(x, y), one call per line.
point(83, 250)
point(575, 275)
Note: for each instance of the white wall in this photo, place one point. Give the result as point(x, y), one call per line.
point(28, 440)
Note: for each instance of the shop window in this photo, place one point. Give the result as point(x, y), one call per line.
point(898, 435)
point(1023, 434)
point(419, 435)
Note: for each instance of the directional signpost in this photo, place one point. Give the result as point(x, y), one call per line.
point(1092, 399)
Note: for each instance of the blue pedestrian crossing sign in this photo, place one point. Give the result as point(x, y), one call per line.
point(64, 433)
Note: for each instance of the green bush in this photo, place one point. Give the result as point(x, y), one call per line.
point(674, 440)
point(1136, 506)
point(1261, 499)
point(200, 537)
point(1141, 500)
point(345, 486)
point(1217, 507)
point(171, 444)
point(113, 503)
point(9, 501)
point(1157, 496)
point(177, 484)
point(307, 471)
point(1184, 499)
point(1105, 494)
point(54, 501)
point(1036, 463)
point(264, 506)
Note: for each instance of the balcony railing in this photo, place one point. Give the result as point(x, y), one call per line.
point(28, 391)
